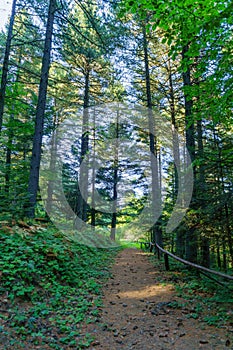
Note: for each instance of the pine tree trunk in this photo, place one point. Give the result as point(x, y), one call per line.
point(218, 254)
point(115, 181)
point(10, 143)
point(205, 242)
point(156, 195)
point(52, 167)
point(83, 176)
point(180, 241)
point(175, 141)
point(200, 181)
point(40, 111)
point(6, 63)
point(224, 253)
point(205, 249)
point(93, 212)
point(8, 162)
point(191, 238)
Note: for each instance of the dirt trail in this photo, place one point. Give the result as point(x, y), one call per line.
point(136, 313)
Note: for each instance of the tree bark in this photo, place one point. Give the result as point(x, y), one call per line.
point(8, 162)
point(52, 165)
point(218, 254)
point(191, 238)
point(115, 181)
point(40, 111)
point(156, 195)
point(6, 63)
point(180, 242)
point(93, 211)
point(83, 176)
point(10, 143)
point(205, 242)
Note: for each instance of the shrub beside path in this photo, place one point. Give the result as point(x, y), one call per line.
point(137, 312)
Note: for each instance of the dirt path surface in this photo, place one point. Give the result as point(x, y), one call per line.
point(136, 313)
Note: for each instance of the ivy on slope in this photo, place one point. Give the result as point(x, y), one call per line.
point(49, 285)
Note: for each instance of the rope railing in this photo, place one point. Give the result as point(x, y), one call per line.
point(186, 262)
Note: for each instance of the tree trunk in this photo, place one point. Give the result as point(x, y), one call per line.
point(10, 143)
point(190, 141)
point(52, 166)
point(83, 176)
point(205, 248)
point(175, 141)
point(218, 254)
point(40, 110)
point(180, 241)
point(93, 212)
point(205, 242)
point(224, 254)
point(191, 238)
point(115, 181)
point(8, 162)
point(156, 195)
point(6, 63)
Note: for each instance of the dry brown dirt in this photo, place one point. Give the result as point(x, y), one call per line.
point(136, 312)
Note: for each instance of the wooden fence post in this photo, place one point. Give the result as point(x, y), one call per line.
point(166, 261)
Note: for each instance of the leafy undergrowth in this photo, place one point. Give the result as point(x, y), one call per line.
point(49, 285)
point(208, 300)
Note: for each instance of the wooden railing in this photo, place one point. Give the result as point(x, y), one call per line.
point(202, 268)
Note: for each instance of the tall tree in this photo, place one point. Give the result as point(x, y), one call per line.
point(40, 111)
point(115, 180)
point(191, 237)
point(156, 194)
point(6, 62)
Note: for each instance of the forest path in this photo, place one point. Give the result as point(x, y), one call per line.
point(136, 313)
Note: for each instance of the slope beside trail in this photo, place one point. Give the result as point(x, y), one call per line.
point(136, 313)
